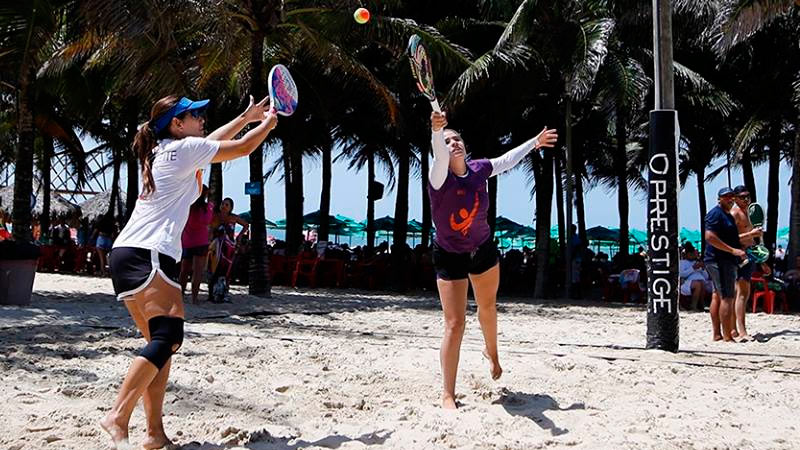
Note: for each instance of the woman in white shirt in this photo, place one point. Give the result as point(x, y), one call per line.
point(144, 262)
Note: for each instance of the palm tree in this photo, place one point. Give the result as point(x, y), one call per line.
point(27, 29)
point(749, 32)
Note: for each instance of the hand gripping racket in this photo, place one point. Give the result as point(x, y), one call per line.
point(757, 252)
point(282, 90)
point(421, 69)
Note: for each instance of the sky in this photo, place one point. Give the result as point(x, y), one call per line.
point(349, 189)
point(514, 201)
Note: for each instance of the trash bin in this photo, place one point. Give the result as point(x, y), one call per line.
point(18, 261)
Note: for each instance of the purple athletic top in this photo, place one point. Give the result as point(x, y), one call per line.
point(459, 208)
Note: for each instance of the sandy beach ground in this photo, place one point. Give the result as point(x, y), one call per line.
point(350, 370)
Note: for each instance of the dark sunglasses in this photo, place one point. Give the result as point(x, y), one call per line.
point(198, 113)
point(744, 197)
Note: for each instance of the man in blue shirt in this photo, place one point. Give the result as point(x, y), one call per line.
point(722, 257)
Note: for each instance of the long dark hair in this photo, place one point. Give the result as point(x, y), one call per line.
point(146, 140)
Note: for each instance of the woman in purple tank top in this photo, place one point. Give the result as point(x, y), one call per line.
point(463, 250)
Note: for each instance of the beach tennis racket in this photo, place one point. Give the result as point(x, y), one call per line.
point(421, 69)
point(756, 252)
point(282, 90)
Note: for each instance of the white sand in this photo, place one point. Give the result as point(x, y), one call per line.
point(350, 370)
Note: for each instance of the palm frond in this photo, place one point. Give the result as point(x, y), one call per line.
point(589, 54)
point(749, 132)
point(493, 65)
point(703, 93)
point(741, 19)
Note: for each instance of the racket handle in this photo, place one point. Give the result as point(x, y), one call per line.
point(435, 105)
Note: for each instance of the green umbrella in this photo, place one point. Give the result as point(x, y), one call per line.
point(693, 236)
point(502, 224)
point(639, 236)
point(414, 226)
point(603, 234)
point(783, 234)
point(385, 223)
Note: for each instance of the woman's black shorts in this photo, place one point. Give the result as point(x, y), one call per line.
point(132, 269)
point(456, 266)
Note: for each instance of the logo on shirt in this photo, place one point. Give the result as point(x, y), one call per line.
point(466, 218)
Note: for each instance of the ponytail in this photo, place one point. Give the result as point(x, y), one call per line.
point(143, 145)
point(146, 140)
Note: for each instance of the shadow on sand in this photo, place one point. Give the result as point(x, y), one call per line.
point(533, 406)
point(263, 440)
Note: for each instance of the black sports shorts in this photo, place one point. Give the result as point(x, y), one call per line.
point(132, 269)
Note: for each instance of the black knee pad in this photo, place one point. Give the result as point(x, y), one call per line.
point(166, 337)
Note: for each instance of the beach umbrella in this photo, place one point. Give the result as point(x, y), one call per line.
point(601, 233)
point(98, 205)
point(59, 206)
point(503, 224)
point(639, 237)
point(414, 226)
point(693, 236)
point(783, 234)
point(385, 223)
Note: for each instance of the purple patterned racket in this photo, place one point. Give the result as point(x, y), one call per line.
point(421, 68)
point(282, 90)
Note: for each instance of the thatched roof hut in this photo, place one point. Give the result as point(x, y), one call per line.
point(98, 204)
point(59, 206)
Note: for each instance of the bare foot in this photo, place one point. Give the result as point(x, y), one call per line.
point(734, 334)
point(118, 433)
point(448, 402)
point(744, 338)
point(495, 370)
point(159, 441)
point(717, 337)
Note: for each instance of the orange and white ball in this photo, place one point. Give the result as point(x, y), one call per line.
point(361, 15)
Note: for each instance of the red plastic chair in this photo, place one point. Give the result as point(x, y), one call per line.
point(306, 268)
point(768, 296)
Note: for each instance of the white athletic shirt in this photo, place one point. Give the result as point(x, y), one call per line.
point(157, 221)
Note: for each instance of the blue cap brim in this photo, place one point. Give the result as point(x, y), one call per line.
point(183, 105)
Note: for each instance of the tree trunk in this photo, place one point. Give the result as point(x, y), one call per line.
point(773, 189)
point(426, 200)
point(580, 208)
point(370, 205)
point(46, 165)
point(747, 174)
point(569, 203)
point(492, 213)
point(297, 197)
point(117, 169)
point(21, 218)
point(400, 231)
point(620, 167)
point(544, 203)
point(701, 193)
point(794, 222)
point(259, 263)
point(131, 161)
point(215, 184)
point(325, 196)
point(558, 171)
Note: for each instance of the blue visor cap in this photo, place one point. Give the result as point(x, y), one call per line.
point(183, 105)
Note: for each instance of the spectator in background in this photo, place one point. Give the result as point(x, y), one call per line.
point(695, 281)
point(723, 255)
point(194, 241)
point(104, 234)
